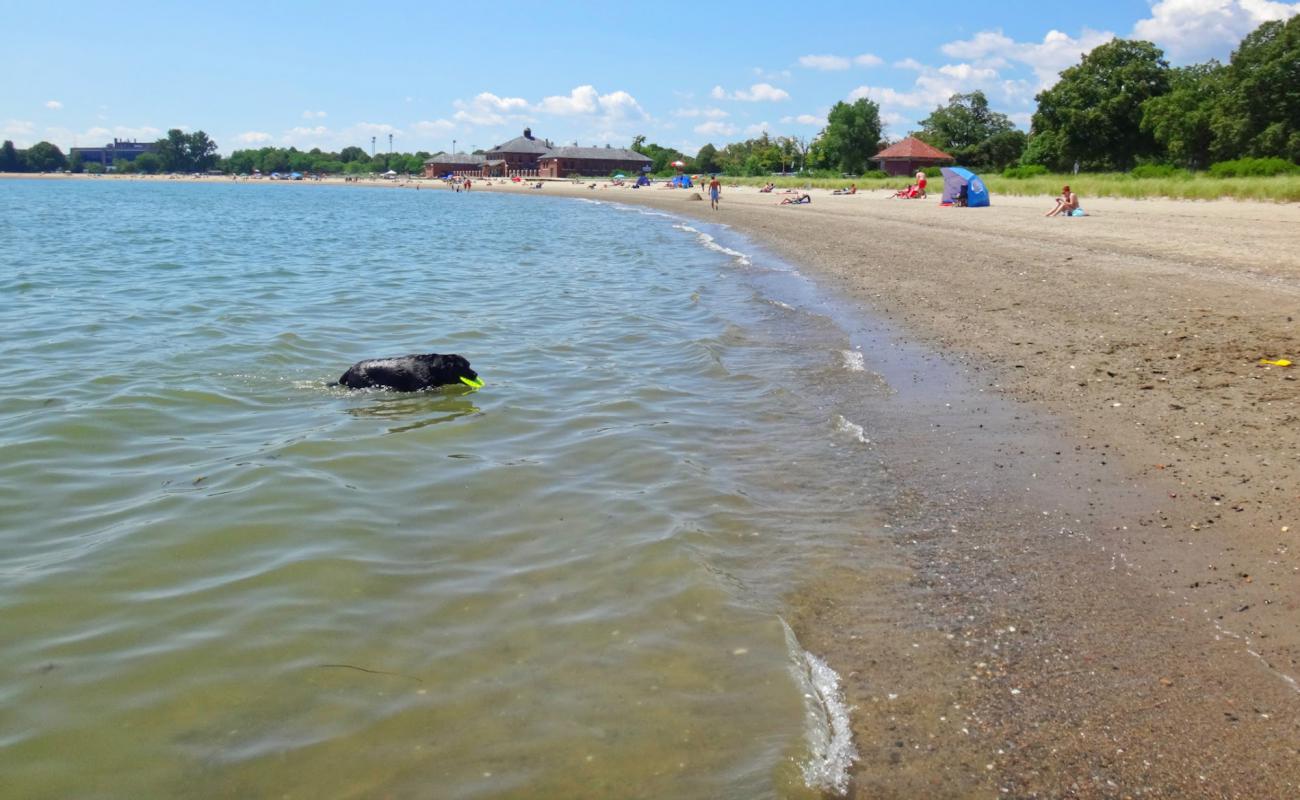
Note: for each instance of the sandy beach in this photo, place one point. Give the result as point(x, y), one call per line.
point(1105, 568)
point(1099, 510)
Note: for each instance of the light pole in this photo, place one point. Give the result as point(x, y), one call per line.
point(372, 147)
point(390, 144)
point(453, 147)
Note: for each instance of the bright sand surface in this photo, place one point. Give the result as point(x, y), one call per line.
point(1103, 592)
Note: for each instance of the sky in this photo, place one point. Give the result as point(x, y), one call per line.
point(332, 74)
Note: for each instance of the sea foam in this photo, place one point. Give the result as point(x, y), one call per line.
point(827, 732)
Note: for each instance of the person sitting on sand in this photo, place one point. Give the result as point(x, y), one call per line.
point(1066, 204)
point(920, 183)
point(796, 201)
point(767, 188)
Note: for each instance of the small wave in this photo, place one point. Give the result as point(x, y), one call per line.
point(854, 361)
point(830, 739)
point(852, 429)
point(712, 244)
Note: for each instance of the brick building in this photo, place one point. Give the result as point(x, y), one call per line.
point(563, 162)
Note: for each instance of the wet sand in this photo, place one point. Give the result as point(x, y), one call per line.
point(1097, 492)
point(1099, 511)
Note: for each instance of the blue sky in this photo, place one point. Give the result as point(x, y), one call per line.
point(332, 74)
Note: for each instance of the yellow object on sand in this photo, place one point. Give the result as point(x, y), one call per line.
point(1281, 362)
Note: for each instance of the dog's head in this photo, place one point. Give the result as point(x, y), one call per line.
point(452, 369)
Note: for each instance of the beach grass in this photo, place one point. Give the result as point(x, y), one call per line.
point(1200, 186)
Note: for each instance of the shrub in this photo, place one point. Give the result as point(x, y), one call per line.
point(875, 173)
point(1158, 171)
point(1253, 168)
point(1026, 171)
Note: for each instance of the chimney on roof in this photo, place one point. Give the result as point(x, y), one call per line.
point(528, 133)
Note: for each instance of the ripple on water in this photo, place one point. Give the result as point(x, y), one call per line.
point(567, 581)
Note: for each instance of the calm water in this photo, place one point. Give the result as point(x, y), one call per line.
point(221, 576)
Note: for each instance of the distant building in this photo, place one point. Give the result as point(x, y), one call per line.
point(908, 156)
point(563, 162)
point(529, 157)
point(520, 153)
point(442, 163)
point(117, 151)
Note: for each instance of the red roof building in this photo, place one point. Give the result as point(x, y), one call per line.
point(909, 155)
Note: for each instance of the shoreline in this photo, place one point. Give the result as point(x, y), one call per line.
point(1124, 525)
point(1102, 535)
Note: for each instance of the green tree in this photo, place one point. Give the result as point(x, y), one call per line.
point(75, 163)
point(45, 157)
point(1000, 150)
point(1259, 111)
point(963, 126)
point(200, 152)
point(1179, 120)
point(707, 159)
point(173, 151)
point(9, 158)
point(349, 154)
point(148, 163)
point(1094, 113)
point(852, 135)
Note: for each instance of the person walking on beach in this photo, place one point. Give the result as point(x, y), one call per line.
point(715, 192)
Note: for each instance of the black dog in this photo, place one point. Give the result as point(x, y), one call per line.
point(410, 373)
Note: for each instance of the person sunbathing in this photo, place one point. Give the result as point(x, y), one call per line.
point(853, 189)
point(1066, 204)
point(767, 188)
point(796, 201)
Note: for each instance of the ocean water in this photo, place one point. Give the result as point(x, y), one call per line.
point(221, 575)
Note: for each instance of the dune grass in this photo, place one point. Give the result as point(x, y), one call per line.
point(1277, 189)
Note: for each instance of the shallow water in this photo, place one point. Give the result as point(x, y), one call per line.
point(220, 575)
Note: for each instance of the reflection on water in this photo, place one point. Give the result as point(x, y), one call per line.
point(418, 409)
point(223, 576)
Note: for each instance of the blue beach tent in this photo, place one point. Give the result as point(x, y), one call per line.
point(954, 178)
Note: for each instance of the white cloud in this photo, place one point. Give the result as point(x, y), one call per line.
point(488, 109)
point(1056, 52)
point(759, 92)
point(582, 100)
point(803, 119)
point(831, 63)
point(980, 45)
point(53, 104)
point(909, 63)
point(716, 128)
point(1196, 30)
point(620, 105)
point(433, 126)
point(767, 75)
point(968, 73)
point(253, 137)
point(887, 96)
point(824, 62)
point(757, 129)
point(314, 115)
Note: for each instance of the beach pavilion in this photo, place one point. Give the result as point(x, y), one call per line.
point(910, 155)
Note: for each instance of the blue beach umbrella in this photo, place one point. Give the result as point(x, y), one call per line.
point(954, 178)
